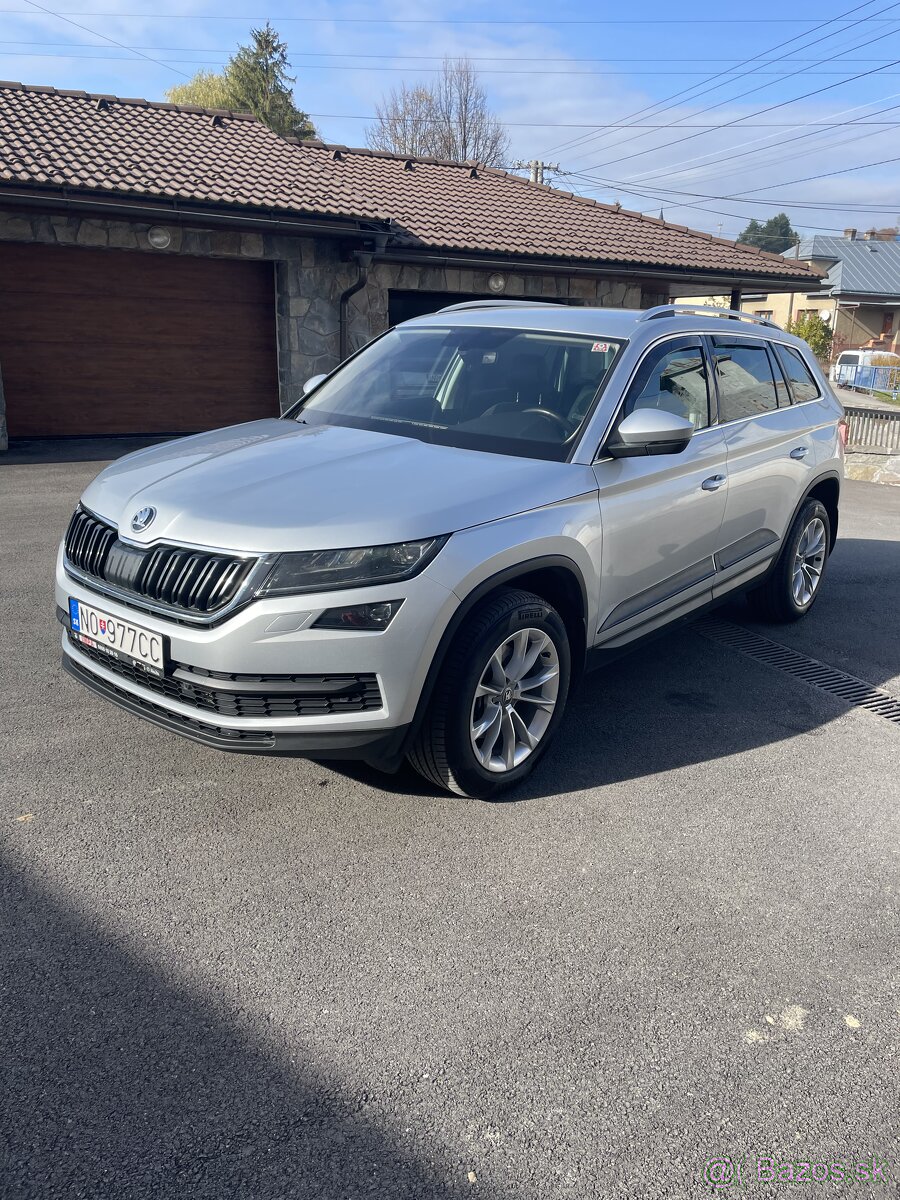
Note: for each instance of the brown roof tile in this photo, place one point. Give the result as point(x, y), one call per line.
point(209, 156)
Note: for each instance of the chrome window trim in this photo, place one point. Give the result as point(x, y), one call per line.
point(819, 394)
point(753, 336)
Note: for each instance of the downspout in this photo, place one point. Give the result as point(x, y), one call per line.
point(364, 262)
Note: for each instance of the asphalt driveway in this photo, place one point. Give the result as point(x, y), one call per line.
point(233, 977)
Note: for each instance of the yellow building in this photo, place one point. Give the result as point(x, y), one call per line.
point(860, 296)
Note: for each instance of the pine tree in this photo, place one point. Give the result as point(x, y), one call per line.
point(259, 81)
point(255, 81)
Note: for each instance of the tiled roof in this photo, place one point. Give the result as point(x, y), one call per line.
point(860, 267)
point(102, 144)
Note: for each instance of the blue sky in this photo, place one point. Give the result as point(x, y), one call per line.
point(559, 77)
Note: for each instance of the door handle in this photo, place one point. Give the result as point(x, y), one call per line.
point(713, 483)
point(799, 452)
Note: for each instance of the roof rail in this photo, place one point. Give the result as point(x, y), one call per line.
point(733, 314)
point(500, 303)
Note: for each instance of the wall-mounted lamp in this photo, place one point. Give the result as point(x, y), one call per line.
point(159, 238)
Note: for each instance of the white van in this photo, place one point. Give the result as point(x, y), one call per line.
point(858, 368)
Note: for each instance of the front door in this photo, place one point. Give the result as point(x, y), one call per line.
point(661, 516)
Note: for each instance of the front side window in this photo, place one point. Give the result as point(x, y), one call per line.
point(673, 378)
point(744, 379)
point(508, 391)
point(803, 386)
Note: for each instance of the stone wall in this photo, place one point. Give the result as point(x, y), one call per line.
point(310, 276)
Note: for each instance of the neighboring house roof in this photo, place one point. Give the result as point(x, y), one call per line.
point(73, 141)
point(864, 267)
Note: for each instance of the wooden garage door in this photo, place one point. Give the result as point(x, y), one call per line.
point(108, 342)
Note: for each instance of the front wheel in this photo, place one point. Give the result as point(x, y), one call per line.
point(499, 698)
point(794, 584)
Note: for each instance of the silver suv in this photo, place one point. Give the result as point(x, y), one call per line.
point(422, 556)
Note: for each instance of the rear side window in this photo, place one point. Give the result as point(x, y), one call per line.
point(803, 386)
point(745, 380)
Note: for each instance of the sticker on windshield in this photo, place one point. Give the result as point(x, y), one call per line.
point(599, 347)
point(490, 357)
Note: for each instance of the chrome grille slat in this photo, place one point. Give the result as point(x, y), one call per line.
point(193, 581)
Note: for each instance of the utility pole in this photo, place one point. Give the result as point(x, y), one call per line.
point(536, 168)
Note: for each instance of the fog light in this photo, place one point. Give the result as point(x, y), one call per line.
point(360, 616)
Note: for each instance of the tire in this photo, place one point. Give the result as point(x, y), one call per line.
point(447, 751)
point(783, 597)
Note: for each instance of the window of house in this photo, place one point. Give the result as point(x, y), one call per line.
point(745, 380)
point(803, 313)
point(764, 312)
point(673, 378)
point(803, 386)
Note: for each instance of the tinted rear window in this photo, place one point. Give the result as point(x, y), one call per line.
point(803, 386)
point(745, 381)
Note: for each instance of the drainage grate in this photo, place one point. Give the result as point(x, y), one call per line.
point(850, 689)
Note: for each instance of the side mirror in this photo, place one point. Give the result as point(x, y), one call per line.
point(313, 383)
point(650, 431)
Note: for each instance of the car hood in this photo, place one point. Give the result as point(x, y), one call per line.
point(276, 485)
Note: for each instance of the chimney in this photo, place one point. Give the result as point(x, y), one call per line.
point(870, 235)
point(850, 234)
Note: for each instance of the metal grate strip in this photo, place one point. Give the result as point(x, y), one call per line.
point(854, 691)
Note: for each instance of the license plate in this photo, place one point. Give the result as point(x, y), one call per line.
point(119, 639)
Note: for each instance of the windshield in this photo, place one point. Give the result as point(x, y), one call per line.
point(509, 391)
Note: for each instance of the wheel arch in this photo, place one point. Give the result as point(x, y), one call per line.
point(556, 578)
point(827, 490)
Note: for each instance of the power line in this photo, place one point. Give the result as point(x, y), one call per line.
point(760, 87)
point(683, 168)
point(212, 62)
point(112, 41)
point(519, 23)
point(678, 204)
point(625, 185)
point(573, 125)
point(438, 57)
point(667, 104)
point(737, 120)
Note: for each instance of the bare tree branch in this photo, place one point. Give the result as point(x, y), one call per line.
point(450, 119)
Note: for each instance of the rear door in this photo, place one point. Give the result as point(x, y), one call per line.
point(769, 454)
point(662, 515)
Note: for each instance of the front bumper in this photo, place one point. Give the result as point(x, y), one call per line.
point(275, 638)
point(380, 749)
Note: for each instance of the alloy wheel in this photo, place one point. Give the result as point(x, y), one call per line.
point(515, 700)
point(809, 562)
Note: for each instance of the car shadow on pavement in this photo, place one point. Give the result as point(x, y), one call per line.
point(119, 1082)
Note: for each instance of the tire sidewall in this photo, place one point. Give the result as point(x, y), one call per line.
point(809, 511)
point(468, 770)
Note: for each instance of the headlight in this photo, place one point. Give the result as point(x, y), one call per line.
point(325, 570)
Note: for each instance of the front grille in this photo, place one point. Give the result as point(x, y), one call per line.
point(315, 695)
point(194, 581)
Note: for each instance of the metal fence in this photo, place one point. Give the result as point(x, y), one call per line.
point(874, 429)
point(869, 379)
